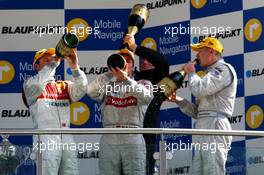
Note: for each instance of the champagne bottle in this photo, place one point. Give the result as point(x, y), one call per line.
point(169, 84)
point(68, 42)
point(173, 81)
point(116, 60)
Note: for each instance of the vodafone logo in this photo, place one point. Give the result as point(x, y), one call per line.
point(121, 102)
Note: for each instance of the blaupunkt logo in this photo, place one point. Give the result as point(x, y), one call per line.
point(256, 160)
point(20, 113)
point(164, 3)
point(254, 72)
point(90, 71)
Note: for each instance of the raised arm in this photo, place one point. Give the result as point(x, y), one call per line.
point(96, 89)
point(156, 59)
point(161, 66)
point(78, 86)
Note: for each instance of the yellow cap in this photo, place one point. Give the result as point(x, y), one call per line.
point(127, 52)
point(209, 42)
point(41, 52)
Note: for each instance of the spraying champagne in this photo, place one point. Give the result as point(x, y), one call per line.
point(169, 84)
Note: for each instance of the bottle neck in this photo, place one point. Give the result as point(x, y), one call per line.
point(195, 61)
point(182, 72)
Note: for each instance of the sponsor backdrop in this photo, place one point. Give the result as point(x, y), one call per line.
point(173, 24)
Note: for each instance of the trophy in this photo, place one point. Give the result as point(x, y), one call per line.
point(68, 42)
point(137, 19)
point(8, 156)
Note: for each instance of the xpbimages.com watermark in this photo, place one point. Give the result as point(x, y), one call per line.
point(79, 30)
point(125, 88)
point(195, 30)
point(52, 145)
point(181, 146)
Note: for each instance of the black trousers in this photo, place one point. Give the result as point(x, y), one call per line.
point(150, 150)
point(151, 121)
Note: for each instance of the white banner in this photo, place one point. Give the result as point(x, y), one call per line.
point(231, 30)
point(249, 4)
point(13, 112)
point(161, 12)
point(254, 73)
point(27, 30)
point(255, 156)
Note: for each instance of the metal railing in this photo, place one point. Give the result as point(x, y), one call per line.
point(76, 131)
point(161, 131)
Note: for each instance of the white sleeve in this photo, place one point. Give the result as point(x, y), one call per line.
point(34, 86)
point(214, 81)
point(78, 87)
point(96, 89)
point(188, 108)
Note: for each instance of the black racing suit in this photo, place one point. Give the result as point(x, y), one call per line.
point(154, 75)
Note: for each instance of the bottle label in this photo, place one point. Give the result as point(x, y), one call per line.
point(168, 85)
point(62, 50)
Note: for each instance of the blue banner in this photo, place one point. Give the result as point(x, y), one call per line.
point(204, 8)
point(32, 4)
point(253, 29)
point(237, 61)
point(16, 67)
point(98, 29)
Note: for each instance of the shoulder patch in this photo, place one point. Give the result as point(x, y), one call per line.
point(219, 69)
point(216, 71)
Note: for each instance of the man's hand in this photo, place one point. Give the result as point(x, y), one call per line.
point(174, 98)
point(73, 59)
point(189, 68)
point(120, 75)
point(130, 41)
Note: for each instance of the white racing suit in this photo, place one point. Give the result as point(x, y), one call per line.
point(215, 94)
point(49, 103)
point(121, 109)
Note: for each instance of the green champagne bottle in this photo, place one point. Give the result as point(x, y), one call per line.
point(68, 42)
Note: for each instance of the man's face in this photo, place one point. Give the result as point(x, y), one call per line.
point(130, 65)
point(205, 56)
point(43, 61)
point(145, 65)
